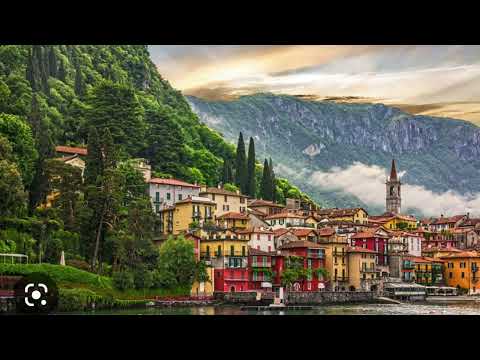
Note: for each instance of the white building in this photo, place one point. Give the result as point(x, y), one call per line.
point(259, 238)
point(285, 219)
point(166, 192)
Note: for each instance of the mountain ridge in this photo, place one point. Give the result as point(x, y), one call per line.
point(440, 154)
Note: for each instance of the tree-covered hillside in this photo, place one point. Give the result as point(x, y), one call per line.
point(159, 124)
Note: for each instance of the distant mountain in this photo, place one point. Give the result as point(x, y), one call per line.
point(439, 153)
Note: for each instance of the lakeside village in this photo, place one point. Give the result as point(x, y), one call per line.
point(258, 246)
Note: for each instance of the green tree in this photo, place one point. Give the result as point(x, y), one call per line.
point(12, 194)
point(227, 172)
point(251, 176)
point(116, 107)
point(230, 187)
point(177, 260)
point(273, 186)
point(266, 186)
point(19, 134)
point(80, 86)
point(241, 166)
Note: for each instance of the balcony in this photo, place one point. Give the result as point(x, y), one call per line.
point(261, 264)
point(368, 270)
point(314, 255)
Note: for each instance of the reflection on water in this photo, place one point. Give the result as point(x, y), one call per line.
point(366, 309)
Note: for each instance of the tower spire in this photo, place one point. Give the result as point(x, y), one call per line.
point(393, 171)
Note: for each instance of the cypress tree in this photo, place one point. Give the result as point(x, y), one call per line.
point(274, 181)
point(251, 183)
point(61, 73)
point(30, 72)
point(225, 174)
point(266, 186)
point(52, 62)
point(241, 166)
point(110, 155)
point(80, 89)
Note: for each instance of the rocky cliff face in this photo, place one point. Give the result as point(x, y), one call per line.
point(438, 153)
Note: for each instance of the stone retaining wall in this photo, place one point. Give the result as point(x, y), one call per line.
point(328, 297)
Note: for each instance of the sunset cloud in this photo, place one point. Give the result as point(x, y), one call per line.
point(431, 80)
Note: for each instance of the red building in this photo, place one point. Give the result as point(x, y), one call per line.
point(376, 240)
point(260, 269)
point(312, 256)
point(231, 279)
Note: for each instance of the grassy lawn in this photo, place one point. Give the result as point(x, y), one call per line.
point(83, 287)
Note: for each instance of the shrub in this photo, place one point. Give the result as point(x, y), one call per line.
point(53, 251)
point(143, 279)
point(163, 279)
point(123, 280)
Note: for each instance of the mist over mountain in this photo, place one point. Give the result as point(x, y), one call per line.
point(315, 142)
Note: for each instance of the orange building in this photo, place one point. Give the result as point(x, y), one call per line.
point(461, 271)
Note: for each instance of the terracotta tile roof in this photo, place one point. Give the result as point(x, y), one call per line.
point(360, 250)
point(462, 254)
point(261, 202)
point(326, 232)
point(71, 150)
point(363, 235)
point(253, 251)
point(284, 215)
point(258, 213)
point(281, 231)
point(447, 220)
point(301, 244)
point(303, 232)
point(216, 190)
point(255, 231)
point(233, 216)
point(335, 212)
point(174, 182)
point(196, 199)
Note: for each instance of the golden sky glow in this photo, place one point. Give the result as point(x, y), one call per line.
point(433, 80)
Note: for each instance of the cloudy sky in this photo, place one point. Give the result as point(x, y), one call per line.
point(434, 80)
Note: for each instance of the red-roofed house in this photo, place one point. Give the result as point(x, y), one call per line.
point(70, 150)
point(259, 238)
point(376, 240)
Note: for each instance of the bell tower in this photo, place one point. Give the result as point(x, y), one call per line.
point(394, 199)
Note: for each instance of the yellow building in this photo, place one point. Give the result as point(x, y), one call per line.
point(354, 215)
point(395, 222)
point(461, 271)
point(225, 201)
point(191, 213)
point(336, 260)
point(362, 271)
point(233, 220)
point(311, 220)
point(206, 288)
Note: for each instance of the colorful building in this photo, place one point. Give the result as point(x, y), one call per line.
point(362, 269)
point(394, 221)
point(285, 219)
point(308, 255)
point(336, 260)
point(226, 201)
point(428, 271)
point(375, 240)
point(189, 214)
point(265, 207)
point(354, 215)
point(260, 269)
point(461, 271)
point(446, 223)
point(258, 238)
point(233, 220)
point(228, 255)
point(305, 234)
point(165, 193)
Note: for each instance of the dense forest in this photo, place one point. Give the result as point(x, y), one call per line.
point(112, 100)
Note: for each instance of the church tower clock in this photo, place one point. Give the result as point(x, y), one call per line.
point(394, 199)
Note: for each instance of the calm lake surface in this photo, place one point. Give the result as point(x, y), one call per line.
point(366, 309)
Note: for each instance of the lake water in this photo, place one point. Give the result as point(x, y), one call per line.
point(366, 309)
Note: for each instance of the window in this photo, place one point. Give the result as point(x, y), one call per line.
point(213, 197)
point(463, 275)
point(208, 251)
point(343, 273)
point(450, 275)
point(226, 198)
point(157, 208)
point(168, 196)
point(219, 250)
point(258, 236)
point(243, 251)
point(269, 248)
point(179, 197)
point(242, 200)
point(232, 250)
point(269, 237)
point(157, 196)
